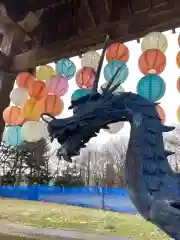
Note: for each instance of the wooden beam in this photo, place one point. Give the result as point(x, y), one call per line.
point(11, 44)
point(107, 7)
point(89, 12)
point(6, 20)
point(123, 30)
point(33, 5)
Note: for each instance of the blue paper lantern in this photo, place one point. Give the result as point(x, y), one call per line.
point(80, 93)
point(12, 136)
point(151, 87)
point(66, 68)
point(111, 68)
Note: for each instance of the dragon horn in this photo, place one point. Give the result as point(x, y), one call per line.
point(112, 80)
point(97, 76)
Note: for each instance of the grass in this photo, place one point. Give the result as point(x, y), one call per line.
point(54, 215)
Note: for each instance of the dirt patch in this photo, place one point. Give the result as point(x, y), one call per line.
point(11, 231)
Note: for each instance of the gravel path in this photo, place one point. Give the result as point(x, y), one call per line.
point(11, 231)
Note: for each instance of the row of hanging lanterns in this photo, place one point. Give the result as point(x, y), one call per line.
point(178, 80)
point(33, 96)
point(117, 56)
point(43, 91)
point(152, 63)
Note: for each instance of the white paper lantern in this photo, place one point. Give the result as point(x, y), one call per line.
point(117, 91)
point(154, 40)
point(114, 127)
point(32, 131)
point(90, 59)
point(18, 96)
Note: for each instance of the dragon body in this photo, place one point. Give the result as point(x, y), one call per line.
point(150, 181)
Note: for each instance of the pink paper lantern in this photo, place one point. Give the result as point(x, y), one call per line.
point(57, 85)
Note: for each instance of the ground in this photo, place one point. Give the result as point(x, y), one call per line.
point(54, 215)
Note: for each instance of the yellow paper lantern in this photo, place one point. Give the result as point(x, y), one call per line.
point(32, 110)
point(32, 131)
point(178, 113)
point(44, 72)
point(114, 127)
point(154, 40)
point(90, 59)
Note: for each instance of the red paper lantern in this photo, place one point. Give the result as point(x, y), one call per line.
point(85, 77)
point(117, 51)
point(178, 84)
point(161, 112)
point(152, 61)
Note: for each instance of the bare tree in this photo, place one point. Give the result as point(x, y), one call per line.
point(103, 165)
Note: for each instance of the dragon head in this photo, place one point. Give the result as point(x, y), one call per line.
point(91, 113)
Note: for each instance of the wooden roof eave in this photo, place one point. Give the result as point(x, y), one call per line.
point(133, 28)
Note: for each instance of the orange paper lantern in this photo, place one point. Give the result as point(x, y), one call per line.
point(37, 90)
point(152, 61)
point(161, 112)
point(32, 110)
point(85, 77)
point(53, 105)
point(178, 59)
point(117, 51)
point(178, 84)
point(24, 79)
point(12, 116)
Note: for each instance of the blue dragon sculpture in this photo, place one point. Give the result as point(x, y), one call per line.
point(151, 184)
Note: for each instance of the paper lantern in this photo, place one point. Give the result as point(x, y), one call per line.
point(114, 127)
point(178, 85)
point(178, 113)
point(37, 90)
point(152, 61)
point(12, 136)
point(80, 93)
point(161, 113)
point(90, 59)
point(65, 68)
point(154, 40)
point(32, 131)
point(24, 79)
point(119, 90)
point(117, 51)
point(12, 115)
point(18, 96)
point(178, 59)
point(52, 104)
point(151, 87)
point(44, 72)
point(57, 85)
point(111, 68)
point(85, 77)
point(32, 110)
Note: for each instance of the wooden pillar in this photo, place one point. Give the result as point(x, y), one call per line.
point(11, 43)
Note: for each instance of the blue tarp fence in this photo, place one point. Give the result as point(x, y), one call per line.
point(115, 199)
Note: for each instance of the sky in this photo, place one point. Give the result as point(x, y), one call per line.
point(169, 102)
